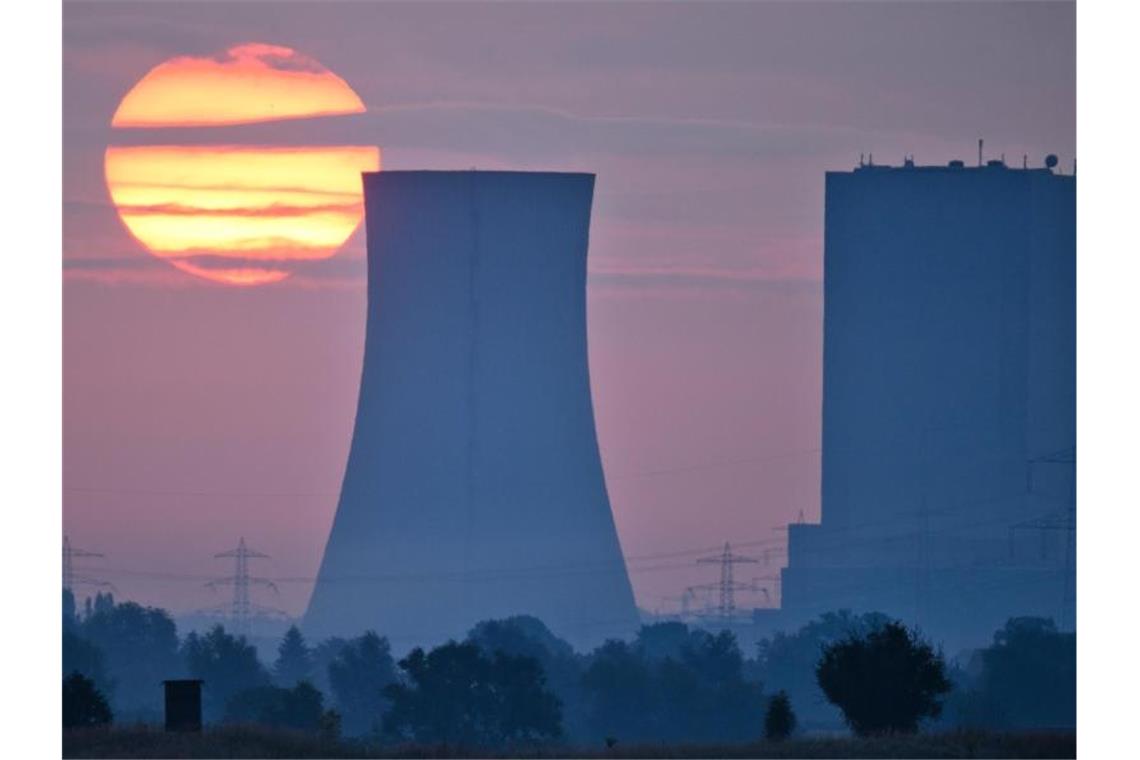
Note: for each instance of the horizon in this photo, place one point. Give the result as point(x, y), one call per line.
point(197, 412)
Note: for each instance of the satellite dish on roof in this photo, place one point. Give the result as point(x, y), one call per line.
point(1050, 161)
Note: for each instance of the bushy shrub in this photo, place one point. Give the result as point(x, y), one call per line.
point(779, 721)
point(886, 681)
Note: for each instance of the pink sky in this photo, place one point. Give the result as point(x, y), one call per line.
point(195, 413)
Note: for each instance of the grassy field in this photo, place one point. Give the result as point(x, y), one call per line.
point(253, 742)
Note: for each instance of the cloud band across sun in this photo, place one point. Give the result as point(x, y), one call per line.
point(247, 84)
point(270, 204)
point(238, 214)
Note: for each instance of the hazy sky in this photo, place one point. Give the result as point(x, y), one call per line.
point(195, 412)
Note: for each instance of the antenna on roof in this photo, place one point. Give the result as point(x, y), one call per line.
point(980, 141)
point(870, 159)
point(1024, 160)
point(860, 159)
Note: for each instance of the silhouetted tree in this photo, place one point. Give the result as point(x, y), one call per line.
point(887, 680)
point(661, 640)
point(779, 721)
point(330, 726)
point(726, 704)
point(81, 656)
point(619, 689)
point(715, 656)
point(140, 650)
point(83, 704)
point(70, 619)
point(228, 664)
point(787, 661)
point(1026, 679)
point(457, 695)
point(300, 708)
point(358, 675)
point(672, 684)
point(294, 660)
point(527, 636)
point(100, 603)
point(322, 655)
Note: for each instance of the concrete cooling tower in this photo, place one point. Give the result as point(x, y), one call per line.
point(474, 486)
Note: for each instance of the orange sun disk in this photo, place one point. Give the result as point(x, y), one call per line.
point(238, 214)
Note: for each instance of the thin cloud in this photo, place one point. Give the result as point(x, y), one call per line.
point(271, 211)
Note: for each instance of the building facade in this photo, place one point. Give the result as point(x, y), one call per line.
point(949, 401)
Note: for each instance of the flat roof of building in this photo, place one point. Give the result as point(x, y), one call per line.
point(993, 165)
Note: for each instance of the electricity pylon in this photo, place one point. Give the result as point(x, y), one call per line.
point(70, 579)
point(241, 609)
point(1065, 521)
point(727, 586)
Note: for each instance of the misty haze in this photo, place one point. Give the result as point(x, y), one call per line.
point(618, 379)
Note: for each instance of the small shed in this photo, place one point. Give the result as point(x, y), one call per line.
point(183, 704)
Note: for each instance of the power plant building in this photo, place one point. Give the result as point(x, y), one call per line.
point(949, 411)
point(474, 486)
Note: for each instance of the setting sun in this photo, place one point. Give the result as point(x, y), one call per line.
point(238, 214)
point(246, 84)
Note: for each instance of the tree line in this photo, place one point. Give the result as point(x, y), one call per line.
point(513, 682)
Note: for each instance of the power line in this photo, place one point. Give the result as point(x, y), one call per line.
point(475, 576)
point(613, 476)
point(727, 586)
point(1067, 522)
point(70, 579)
point(849, 535)
point(241, 608)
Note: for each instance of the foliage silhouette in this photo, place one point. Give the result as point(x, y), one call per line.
point(81, 656)
point(300, 708)
point(228, 664)
point(1027, 679)
point(618, 685)
point(83, 704)
point(527, 636)
point(661, 640)
point(70, 616)
point(294, 659)
point(779, 721)
point(786, 662)
point(322, 655)
point(885, 681)
point(99, 603)
point(140, 650)
point(357, 675)
point(672, 684)
point(330, 725)
point(458, 695)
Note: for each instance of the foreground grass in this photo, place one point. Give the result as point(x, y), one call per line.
point(255, 742)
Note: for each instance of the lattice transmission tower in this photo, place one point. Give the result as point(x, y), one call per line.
point(728, 585)
point(1064, 521)
point(241, 608)
point(70, 578)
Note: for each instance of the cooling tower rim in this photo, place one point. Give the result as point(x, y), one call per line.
point(373, 176)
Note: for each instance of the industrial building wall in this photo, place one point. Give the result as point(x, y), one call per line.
point(474, 487)
point(949, 368)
